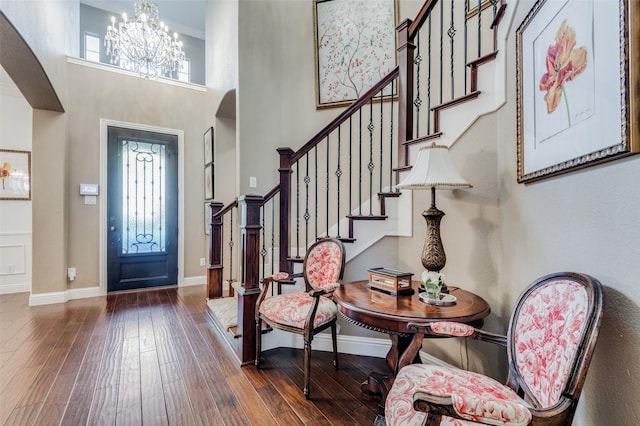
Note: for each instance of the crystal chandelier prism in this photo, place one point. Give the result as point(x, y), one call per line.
point(143, 44)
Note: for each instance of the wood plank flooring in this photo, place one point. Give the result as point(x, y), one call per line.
point(151, 358)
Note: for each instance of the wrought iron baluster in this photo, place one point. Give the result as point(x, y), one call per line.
point(231, 246)
point(350, 161)
point(297, 209)
point(381, 136)
point(465, 54)
point(479, 28)
point(429, 76)
point(273, 236)
point(263, 249)
point(417, 101)
point(316, 185)
point(327, 192)
point(371, 165)
point(338, 175)
point(391, 147)
point(451, 33)
point(307, 216)
point(360, 164)
point(441, 46)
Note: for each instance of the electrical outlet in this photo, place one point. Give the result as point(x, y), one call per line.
point(71, 273)
point(203, 261)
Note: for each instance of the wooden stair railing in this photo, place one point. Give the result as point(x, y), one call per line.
point(416, 90)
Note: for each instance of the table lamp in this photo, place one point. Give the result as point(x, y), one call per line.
point(433, 170)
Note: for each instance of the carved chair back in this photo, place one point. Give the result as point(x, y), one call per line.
point(324, 265)
point(552, 335)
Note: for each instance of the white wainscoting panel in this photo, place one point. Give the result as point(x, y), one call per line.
point(15, 262)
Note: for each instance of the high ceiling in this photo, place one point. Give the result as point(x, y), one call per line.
point(183, 16)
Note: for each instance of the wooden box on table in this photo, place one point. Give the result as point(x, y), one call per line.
point(391, 281)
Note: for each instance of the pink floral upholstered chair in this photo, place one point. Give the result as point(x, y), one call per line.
point(551, 337)
point(310, 312)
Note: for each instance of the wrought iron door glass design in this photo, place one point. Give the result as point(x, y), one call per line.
point(143, 205)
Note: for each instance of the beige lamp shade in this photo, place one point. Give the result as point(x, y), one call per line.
point(434, 169)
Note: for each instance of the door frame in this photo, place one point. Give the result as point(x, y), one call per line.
point(104, 124)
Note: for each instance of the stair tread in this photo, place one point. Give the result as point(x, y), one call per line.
point(392, 194)
point(456, 101)
point(423, 138)
point(402, 169)
point(366, 217)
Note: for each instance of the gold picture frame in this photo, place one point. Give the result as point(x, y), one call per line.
point(355, 46)
point(15, 175)
point(574, 108)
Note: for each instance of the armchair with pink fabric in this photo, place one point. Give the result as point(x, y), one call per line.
point(551, 337)
point(310, 312)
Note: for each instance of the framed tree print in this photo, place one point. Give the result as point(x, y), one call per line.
point(355, 46)
point(577, 85)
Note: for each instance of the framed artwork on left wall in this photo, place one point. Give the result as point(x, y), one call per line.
point(15, 175)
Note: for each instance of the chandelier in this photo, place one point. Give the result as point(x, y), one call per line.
point(144, 45)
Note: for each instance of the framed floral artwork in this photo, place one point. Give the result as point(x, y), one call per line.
point(15, 175)
point(577, 86)
point(355, 44)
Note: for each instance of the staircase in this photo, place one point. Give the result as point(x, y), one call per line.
point(341, 182)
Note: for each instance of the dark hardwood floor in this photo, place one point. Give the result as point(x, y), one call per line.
point(152, 358)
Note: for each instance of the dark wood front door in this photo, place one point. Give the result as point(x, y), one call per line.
point(142, 209)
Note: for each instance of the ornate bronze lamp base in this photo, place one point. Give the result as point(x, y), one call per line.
point(433, 257)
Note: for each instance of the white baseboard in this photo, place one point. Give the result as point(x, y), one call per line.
point(366, 346)
point(354, 345)
point(189, 281)
point(15, 288)
point(64, 296)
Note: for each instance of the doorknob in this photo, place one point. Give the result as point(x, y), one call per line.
point(113, 228)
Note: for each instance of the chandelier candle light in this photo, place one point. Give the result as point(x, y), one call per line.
point(144, 45)
point(433, 170)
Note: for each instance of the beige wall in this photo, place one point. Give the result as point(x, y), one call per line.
point(582, 221)
point(276, 82)
point(96, 94)
point(222, 82)
point(33, 19)
point(501, 235)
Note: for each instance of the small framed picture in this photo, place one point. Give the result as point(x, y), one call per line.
point(15, 175)
point(208, 146)
point(208, 182)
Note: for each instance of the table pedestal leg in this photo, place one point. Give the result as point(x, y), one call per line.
point(404, 351)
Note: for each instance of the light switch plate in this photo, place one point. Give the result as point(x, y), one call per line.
point(89, 199)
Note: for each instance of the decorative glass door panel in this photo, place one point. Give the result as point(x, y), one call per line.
point(142, 209)
point(142, 201)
